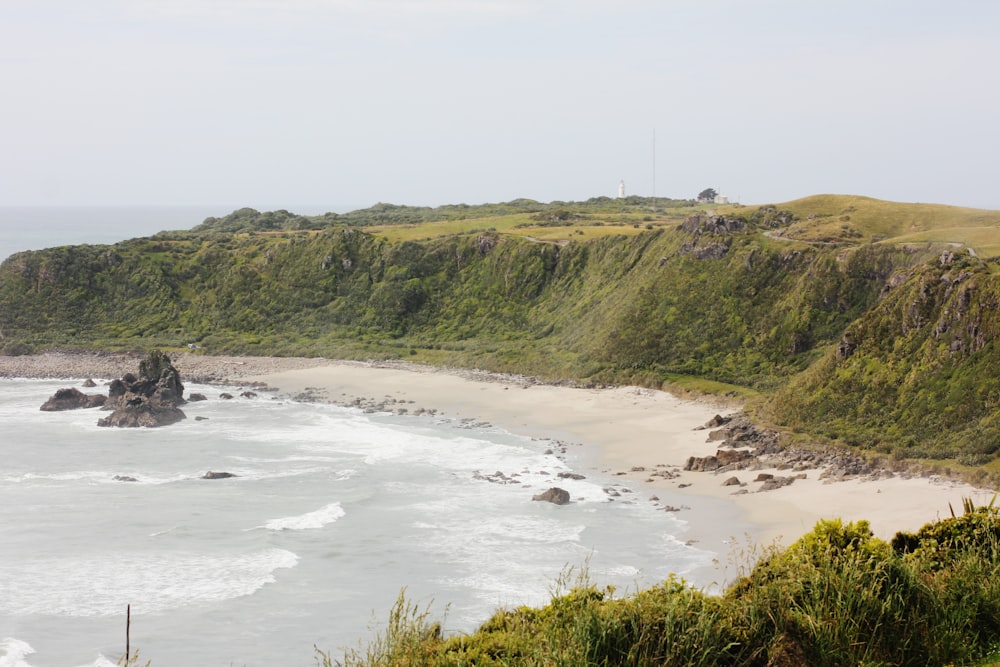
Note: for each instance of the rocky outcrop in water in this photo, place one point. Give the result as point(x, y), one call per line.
point(149, 400)
point(554, 495)
point(218, 475)
point(72, 399)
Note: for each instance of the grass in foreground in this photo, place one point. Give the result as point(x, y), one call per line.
point(838, 596)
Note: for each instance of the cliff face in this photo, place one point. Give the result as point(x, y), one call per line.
point(887, 346)
point(918, 374)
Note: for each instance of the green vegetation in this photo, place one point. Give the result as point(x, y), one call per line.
point(838, 596)
point(842, 319)
point(842, 218)
point(849, 319)
point(918, 376)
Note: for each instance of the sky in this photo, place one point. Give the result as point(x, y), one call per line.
point(339, 104)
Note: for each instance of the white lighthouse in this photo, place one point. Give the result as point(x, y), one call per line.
point(621, 189)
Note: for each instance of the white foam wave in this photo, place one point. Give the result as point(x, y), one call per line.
point(74, 476)
point(309, 521)
point(256, 475)
point(100, 661)
point(285, 459)
point(375, 444)
point(91, 477)
point(13, 652)
point(623, 570)
point(103, 584)
point(491, 542)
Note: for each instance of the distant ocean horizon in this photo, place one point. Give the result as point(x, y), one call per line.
point(37, 227)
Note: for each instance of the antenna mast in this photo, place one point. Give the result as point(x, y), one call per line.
point(654, 166)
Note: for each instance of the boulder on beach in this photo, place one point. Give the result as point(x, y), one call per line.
point(722, 458)
point(195, 396)
point(554, 495)
point(89, 383)
point(775, 483)
point(714, 422)
point(149, 400)
point(72, 399)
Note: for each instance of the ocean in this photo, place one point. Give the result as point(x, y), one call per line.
point(332, 514)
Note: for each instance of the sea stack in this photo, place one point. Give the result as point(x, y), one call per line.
point(149, 400)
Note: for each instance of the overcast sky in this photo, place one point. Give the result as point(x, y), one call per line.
point(344, 103)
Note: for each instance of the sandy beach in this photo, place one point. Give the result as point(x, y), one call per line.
point(642, 435)
point(636, 433)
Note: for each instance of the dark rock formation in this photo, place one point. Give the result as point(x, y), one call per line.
point(152, 399)
point(846, 347)
point(72, 399)
point(776, 483)
point(732, 481)
point(142, 414)
point(741, 432)
point(225, 396)
point(89, 383)
point(710, 251)
point(714, 422)
point(124, 478)
point(496, 478)
point(722, 459)
point(571, 475)
point(715, 225)
point(249, 394)
point(553, 495)
point(218, 475)
point(192, 398)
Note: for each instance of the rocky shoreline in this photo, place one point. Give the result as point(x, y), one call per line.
point(743, 446)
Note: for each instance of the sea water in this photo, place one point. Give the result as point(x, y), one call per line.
point(331, 515)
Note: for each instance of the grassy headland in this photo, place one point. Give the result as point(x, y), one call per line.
point(850, 319)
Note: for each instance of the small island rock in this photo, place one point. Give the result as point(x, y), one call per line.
point(150, 400)
point(217, 475)
point(72, 399)
point(554, 495)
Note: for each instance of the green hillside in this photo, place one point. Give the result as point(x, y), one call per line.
point(847, 318)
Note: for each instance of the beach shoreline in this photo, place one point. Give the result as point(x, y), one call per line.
point(640, 436)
